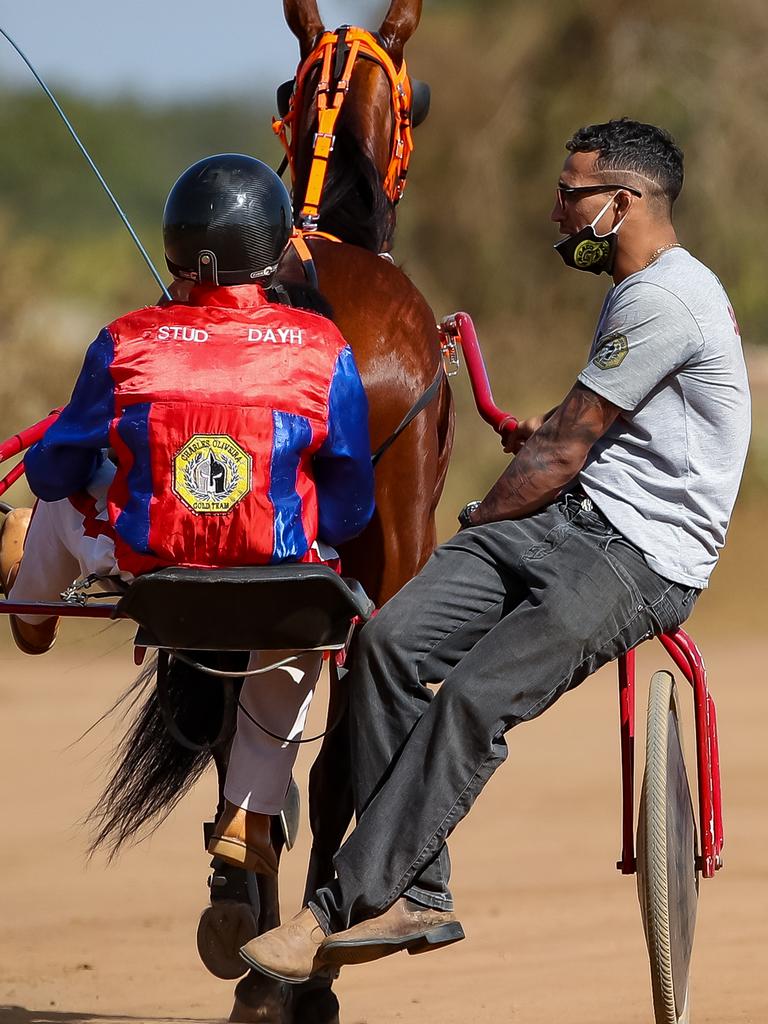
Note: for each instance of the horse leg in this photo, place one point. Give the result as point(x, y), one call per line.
point(258, 999)
point(231, 920)
point(330, 812)
point(330, 789)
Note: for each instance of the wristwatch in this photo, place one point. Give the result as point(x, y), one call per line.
point(465, 516)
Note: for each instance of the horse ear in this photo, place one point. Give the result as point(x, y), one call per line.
point(304, 21)
point(401, 22)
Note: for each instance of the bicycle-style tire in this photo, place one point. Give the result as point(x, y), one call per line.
point(667, 874)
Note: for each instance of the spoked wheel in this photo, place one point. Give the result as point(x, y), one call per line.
point(667, 874)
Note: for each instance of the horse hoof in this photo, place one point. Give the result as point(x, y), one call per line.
point(261, 1000)
point(313, 1004)
point(224, 927)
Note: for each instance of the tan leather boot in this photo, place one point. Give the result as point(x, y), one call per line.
point(405, 925)
point(290, 952)
point(30, 639)
point(243, 838)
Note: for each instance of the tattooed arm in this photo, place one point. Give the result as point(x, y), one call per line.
point(550, 458)
point(513, 440)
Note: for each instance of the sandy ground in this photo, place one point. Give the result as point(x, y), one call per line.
point(553, 930)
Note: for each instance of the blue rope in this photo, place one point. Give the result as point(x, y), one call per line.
point(92, 165)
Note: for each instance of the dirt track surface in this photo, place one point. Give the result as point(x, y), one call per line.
point(553, 930)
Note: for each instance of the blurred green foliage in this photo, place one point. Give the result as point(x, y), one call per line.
point(511, 81)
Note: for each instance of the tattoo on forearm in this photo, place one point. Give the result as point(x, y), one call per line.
point(550, 458)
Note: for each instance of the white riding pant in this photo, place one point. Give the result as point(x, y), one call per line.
point(65, 543)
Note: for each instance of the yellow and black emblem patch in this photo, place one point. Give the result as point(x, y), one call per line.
point(588, 253)
point(611, 351)
point(211, 473)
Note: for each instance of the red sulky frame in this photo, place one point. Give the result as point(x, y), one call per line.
point(687, 657)
point(459, 330)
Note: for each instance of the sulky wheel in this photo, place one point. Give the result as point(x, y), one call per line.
point(667, 875)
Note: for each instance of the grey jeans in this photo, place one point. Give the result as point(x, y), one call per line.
point(510, 616)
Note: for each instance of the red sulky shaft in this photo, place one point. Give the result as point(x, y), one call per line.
point(21, 441)
point(461, 328)
point(10, 478)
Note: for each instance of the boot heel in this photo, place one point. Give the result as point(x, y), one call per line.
point(445, 935)
point(240, 855)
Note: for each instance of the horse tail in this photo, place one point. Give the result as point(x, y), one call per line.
point(151, 771)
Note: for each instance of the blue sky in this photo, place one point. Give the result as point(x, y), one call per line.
point(160, 50)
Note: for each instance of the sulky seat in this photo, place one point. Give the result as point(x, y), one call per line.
point(282, 607)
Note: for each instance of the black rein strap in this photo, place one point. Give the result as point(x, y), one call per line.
point(428, 396)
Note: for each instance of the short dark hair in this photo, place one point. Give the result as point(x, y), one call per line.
point(627, 145)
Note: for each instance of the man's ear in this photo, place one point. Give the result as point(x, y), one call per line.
point(622, 204)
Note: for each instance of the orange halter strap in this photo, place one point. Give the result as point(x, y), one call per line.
point(348, 45)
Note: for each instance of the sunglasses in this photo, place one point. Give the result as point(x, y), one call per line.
point(564, 192)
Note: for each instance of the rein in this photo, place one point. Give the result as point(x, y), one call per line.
point(418, 406)
point(337, 53)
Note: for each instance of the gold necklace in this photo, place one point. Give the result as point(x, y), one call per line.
point(660, 252)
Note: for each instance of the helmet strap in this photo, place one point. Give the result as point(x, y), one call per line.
point(207, 267)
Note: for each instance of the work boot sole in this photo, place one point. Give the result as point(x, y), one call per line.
point(238, 853)
point(363, 951)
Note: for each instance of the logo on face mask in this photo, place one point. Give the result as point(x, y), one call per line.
point(588, 253)
point(586, 250)
point(611, 352)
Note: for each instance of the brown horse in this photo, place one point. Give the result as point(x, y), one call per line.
point(392, 332)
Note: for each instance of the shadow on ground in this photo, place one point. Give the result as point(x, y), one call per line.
point(20, 1015)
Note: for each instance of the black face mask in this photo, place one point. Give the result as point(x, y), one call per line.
point(586, 250)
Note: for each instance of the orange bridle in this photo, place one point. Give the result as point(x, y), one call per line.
point(331, 93)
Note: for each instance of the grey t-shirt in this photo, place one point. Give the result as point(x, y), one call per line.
point(667, 351)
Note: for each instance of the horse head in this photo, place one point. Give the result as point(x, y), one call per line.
point(346, 122)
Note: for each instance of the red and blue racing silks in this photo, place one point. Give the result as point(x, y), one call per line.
point(239, 429)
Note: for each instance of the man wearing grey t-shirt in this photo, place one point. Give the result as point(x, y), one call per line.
point(601, 532)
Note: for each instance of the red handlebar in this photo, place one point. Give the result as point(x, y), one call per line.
point(21, 441)
point(10, 478)
point(459, 328)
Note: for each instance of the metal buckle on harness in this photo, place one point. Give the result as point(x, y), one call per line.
point(449, 346)
point(310, 222)
point(325, 135)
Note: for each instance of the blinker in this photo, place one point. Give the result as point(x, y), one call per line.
point(422, 97)
point(284, 93)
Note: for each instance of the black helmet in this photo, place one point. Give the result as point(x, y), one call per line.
point(227, 220)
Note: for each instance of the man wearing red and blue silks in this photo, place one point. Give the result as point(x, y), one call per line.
point(224, 430)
